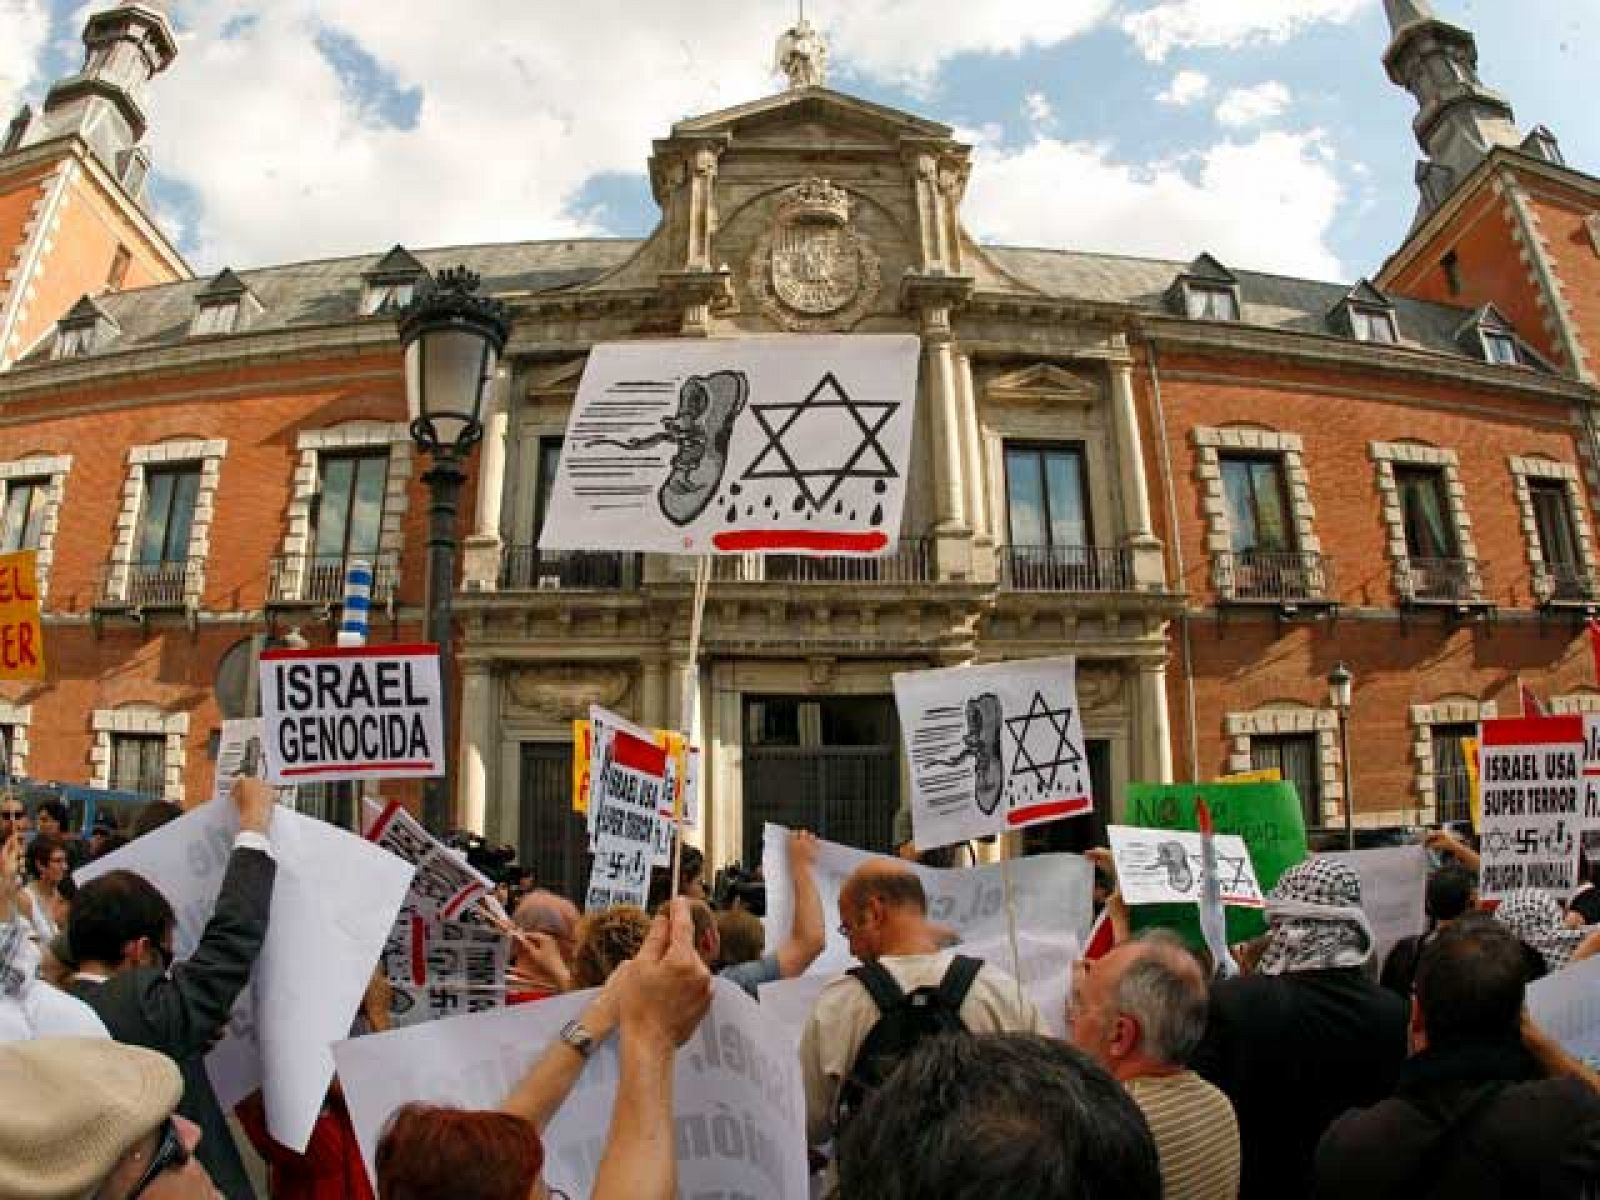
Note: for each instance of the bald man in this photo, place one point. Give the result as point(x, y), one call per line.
point(542, 963)
point(884, 912)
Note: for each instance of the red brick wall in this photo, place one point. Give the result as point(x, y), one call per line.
point(1574, 259)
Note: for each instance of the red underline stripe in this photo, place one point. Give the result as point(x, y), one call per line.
point(1076, 806)
point(412, 651)
point(799, 539)
point(332, 768)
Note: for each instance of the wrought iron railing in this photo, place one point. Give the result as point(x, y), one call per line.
point(1066, 568)
point(168, 583)
point(528, 568)
point(1272, 576)
point(1565, 583)
point(319, 578)
point(1441, 580)
point(911, 562)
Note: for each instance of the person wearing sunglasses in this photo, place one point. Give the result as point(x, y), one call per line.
point(13, 816)
point(95, 1118)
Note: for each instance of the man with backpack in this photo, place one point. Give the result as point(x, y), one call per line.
point(906, 990)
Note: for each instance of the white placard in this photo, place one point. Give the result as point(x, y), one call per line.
point(738, 1106)
point(443, 968)
point(445, 885)
point(1053, 893)
point(333, 903)
point(793, 445)
point(352, 712)
point(239, 755)
point(1046, 972)
point(992, 749)
point(630, 782)
point(1163, 866)
point(1591, 785)
point(1530, 776)
point(1394, 891)
point(1566, 1005)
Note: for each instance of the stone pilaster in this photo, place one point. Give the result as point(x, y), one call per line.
point(477, 722)
point(481, 551)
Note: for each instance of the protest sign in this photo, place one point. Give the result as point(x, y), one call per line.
point(334, 901)
point(1591, 785)
point(992, 748)
point(1052, 892)
point(1530, 773)
point(630, 781)
point(445, 884)
point(352, 712)
point(1264, 775)
point(1469, 751)
point(1566, 1005)
point(443, 968)
point(239, 757)
point(797, 445)
point(738, 1106)
point(21, 631)
point(1163, 866)
point(1394, 884)
point(1266, 815)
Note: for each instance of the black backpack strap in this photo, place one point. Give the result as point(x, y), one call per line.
point(880, 985)
point(957, 982)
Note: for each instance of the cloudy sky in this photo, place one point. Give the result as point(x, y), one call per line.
point(1263, 131)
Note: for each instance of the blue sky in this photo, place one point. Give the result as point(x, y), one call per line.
point(1262, 130)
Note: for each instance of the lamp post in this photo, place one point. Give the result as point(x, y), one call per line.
point(452, 339)
point(1339, 680)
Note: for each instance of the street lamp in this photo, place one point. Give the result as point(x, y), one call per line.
point(452, 339)
point(1339, 680)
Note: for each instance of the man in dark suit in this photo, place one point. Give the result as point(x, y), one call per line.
point(120, 933)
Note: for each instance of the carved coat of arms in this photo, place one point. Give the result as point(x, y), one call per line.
point(812, 271)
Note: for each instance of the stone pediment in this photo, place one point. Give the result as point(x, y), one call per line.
point(1041, 379)
point(818, 108)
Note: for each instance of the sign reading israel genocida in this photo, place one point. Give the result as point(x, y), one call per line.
point(1530, 771)
point(354, 712)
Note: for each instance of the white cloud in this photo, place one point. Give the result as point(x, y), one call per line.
point(1183, 24)
point(1253, 105)
point(1186, 87)
point(1036, 107)
point(24, 30)
point(1267, 204)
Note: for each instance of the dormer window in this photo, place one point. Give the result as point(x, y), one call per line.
point(387, 297)
point(1501, 347)
point(223, 306)
point(1489, 336)
point(1211, 302)
point(84, 329)
point(1372, 325)
point(218, 317)
point(391, 283)
point(1541, 143)
point(73, 341)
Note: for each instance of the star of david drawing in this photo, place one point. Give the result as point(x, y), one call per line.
point(799, 444)
point(1055, 723)
point(1234, 880)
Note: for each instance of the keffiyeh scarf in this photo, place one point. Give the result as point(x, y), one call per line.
point(1316, 919)
point(1536, 918)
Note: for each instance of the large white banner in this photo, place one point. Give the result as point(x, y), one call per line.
point(1163, 866)
point(1053, 895)
point(352, 712)
point(992, 748)
point(1566, 1005)
point(333, 904)
point(795, 445)
point(1530, 776)
point(738, 1106)
point(1394, 886)
point(1043, 964)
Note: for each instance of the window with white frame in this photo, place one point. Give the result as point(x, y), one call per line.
point(1210, 302)
point(139, 748)
point(1438, 735)
point(387, 296)
point(1556, 527)
point(1501, 347)
point(1424, 504)
point(164, 531)
point(218, 317)
point(1303, 744)
point(139, 763)
point(1260, 521)
point(1372, 324)
point(22, 517)
point(73, 341)
point(14, 720)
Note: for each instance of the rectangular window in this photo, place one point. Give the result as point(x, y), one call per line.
point(1451, 784)
point(1211, 303)
point(1047, 501)
point(388, 297)
point(1425, 512)
point(1373, 325)
point(1257, 495)
point(1450, 264)
point(22, 520)
point(73, 342)
point(8, 740)
point(1297, 758)
point(216, 318)
point(118, 273)
point(167, 515)
point(1501, 348)
point(349, 513)
point(545, 482)
point(139, 763)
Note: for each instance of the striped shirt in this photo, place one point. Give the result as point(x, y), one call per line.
point(1195, 1132)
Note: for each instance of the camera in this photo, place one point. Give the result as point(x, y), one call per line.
point(487, 859)
point(737, 888)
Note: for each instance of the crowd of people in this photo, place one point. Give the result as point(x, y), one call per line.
point(1303, 1067)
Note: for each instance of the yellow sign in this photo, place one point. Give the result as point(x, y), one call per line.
point(1469, 751)
point(1265, 775)
point(21, 634)
point(675, 744)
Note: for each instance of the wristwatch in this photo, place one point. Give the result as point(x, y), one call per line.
point(580, 1039)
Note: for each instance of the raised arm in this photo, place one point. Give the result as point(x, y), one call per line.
point(542, 1090)
point(1445, 842)
point(806, 934)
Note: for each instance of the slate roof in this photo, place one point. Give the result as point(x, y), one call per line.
point(329, 291)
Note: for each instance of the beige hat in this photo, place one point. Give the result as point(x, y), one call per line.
point(73, 1107)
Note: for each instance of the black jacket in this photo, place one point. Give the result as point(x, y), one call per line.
point(182, 1014)
point(1292, 1052)
point(1469, 1123)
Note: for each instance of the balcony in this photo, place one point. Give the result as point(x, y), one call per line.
point(1066, 569)
point(1449, 582)
point(141, 586)
point(1289, 579)
point(911, 562)
point(317, 581)
point(1565, 585)
point(530, 569)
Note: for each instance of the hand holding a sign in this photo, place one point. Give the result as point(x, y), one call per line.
point(255, 801)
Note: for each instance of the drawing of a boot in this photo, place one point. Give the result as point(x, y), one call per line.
point(983, 739)
point(1175, 859)
point(702, 428)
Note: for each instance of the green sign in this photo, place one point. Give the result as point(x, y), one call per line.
point(1266, 815)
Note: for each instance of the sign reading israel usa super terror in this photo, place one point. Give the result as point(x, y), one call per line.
point(1530, 774)
point(355, 712)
